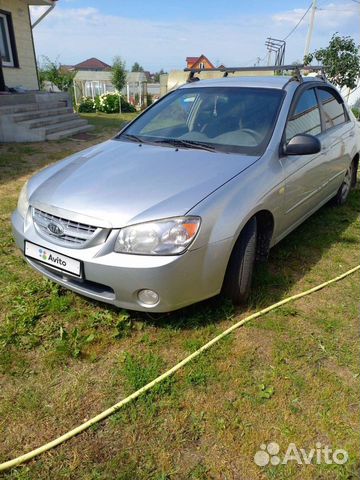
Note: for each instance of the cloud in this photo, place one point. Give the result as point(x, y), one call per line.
point(74, 34)
point(327, 17)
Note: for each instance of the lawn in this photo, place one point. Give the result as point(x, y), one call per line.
point(290, 376)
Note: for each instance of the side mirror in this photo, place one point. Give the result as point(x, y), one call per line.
point(302, 144)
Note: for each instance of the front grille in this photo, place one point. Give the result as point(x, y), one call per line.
point(74, 233)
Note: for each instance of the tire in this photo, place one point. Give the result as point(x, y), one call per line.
point(237, 283)
point(348, 182)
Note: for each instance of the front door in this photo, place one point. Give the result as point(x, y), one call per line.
point(304, 174)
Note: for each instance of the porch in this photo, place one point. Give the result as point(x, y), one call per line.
point(38, 116)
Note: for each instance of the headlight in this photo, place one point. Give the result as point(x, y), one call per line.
point(163, 237)
point(23, 202)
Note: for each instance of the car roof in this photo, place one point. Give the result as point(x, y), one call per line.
point(277, 82)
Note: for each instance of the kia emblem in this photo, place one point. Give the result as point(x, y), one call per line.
point(55, 229)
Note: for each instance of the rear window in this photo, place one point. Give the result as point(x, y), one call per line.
point(333, 108)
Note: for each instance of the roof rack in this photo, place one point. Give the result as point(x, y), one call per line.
point(274, 68)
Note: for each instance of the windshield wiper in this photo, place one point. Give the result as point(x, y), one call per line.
point(178, 142)
point(132, 138)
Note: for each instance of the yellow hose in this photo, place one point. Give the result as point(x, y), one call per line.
point(117, 406)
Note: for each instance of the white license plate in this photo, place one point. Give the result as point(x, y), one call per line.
point(54, 259)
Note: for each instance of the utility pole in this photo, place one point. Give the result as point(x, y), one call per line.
point(311, 27)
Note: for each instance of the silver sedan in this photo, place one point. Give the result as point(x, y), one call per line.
point(184, 200)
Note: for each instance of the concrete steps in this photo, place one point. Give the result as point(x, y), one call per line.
point(48, 119)
point(23, 116)
point(68, 133)
point(31, 107)
point(67, 125)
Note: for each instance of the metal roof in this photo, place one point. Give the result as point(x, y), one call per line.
point(277, 82)
point(264, 82)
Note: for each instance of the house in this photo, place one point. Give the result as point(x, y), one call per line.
point(93, 65)
point(16, 43)
point(26, 114)
point(201, 62)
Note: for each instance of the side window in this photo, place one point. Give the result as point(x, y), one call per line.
point(306, 117)
point(332, 107)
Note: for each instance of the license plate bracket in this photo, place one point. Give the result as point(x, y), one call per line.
point(53, 259)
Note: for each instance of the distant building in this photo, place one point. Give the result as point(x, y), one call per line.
point(202, 62)
point(94, 77)
point(92, 65)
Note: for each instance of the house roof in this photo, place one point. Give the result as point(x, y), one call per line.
point(193, 60)
point(41, 2)
point(92, 63)
point(49, 3)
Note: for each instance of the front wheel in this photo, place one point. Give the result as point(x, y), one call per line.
point(237, 283)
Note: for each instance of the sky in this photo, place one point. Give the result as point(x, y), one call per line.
point(161, 34)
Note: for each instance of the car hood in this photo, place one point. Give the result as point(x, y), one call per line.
point(119, 183)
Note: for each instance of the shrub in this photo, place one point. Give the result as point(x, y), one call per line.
point(87, 105)
point(109, 103)
point(149, 99)
point(356, 112)
point(126, 107)
point(106, 103)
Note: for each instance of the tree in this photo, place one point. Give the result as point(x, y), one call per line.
point(118, 77)
point(53, 72)
point(157, 76)
point(340, 60)
point(137, 67)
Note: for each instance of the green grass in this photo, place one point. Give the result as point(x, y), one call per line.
point(105, 121)
point(290, 376)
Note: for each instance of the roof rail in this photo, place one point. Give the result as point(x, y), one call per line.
point(274, 68)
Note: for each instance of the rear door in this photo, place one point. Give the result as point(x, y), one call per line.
point(336, 139)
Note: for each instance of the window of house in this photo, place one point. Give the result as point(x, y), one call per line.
point(7, 42)
point(332, 107)
point(306, 116)
point(201, 65)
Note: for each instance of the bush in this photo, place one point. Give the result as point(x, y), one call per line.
point(356, 112)
point(106, 103)
point(126, 107)
point(87, 105)
point(109, 103)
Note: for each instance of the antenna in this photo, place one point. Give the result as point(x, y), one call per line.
point(277, 46)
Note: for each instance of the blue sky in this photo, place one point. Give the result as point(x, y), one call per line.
point(160, 34)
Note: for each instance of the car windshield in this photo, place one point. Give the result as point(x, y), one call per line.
point(227, 119)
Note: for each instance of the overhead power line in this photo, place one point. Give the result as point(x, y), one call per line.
point(301, 19)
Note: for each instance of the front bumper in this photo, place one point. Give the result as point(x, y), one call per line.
point(117, 278)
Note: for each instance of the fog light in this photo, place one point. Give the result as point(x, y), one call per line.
point(148, 297)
